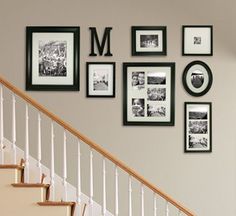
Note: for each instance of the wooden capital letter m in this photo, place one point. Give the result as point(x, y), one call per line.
point(106, 38)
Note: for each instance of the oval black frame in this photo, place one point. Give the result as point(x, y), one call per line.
point(209, 73)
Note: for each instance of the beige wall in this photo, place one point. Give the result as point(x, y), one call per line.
point(204, 182)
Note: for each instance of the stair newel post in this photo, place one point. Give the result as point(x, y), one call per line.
point(78, 192)
point(1, 129)
point(64, 167)
point(39, 156)
point(26, 171)
point(154, 204)
point(116, 192)
point(167, 208)
point(130, 196)
point(91, 183)
point(52, 174)
point(142, 199)
point(104, 208)
point(14, 128)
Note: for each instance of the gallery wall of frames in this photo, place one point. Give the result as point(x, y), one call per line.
point(53, 64)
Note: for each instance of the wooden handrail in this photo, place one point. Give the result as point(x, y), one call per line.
point(94, 146)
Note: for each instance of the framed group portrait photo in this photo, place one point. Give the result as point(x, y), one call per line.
point(197, 78)
point(149, 40)
point(149, 94)
point(52, 58)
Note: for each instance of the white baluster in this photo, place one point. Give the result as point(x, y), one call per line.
point(91, 183)
point(167, 209)
point(154, 204)
point(142, 200)
point(64, 167)
point(39, 157)
point(1, 129)
point(104, 208)
point(26, 170)
point(116, 192)
point(130, 196)
point(13, 129)
point(79, 181)
point(52, 173)
point(180, 213)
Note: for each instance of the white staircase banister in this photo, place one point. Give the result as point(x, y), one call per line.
point(26, 172)
point(1, 127)
point(39, 153)
point(95, 147)
point(14, 128)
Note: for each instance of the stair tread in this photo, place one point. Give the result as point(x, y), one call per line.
point(31, 185)
point(53, 203)
point(11, 166)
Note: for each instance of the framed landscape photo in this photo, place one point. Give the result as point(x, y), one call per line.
point(198, 127)
point(101, 79)
point(149, 40)
point(52, 58)
point(149, 94)
point(197, 78)
point(197, 40)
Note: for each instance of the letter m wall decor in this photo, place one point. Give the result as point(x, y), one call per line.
point(100, 46)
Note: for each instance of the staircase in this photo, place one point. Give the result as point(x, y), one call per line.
point(35, 193)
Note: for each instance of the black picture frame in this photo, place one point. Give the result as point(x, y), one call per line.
point(158, 43)
point(197, 78)
point(49, 69)
point(154, 90)
point(199, 45)
point(103, 83)
point(198, 127)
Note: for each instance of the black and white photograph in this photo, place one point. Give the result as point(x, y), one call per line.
point(156, 94)
point(197, 78)
point(155, 110)
point(197, 40)
point(156, 78)
point(52, 58)
point(197, 142)
point(138, 80)
point(100, 79)
point(198, 127)
point(199, 115)
point(138, 108)
point(149, 40)
point(153, 103)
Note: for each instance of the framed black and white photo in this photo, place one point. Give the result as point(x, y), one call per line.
point(197, 40)
point(198, 127)
point(197, 78)
point(149, 94)
point(149, 40)
point(52, 58)
point(101, 79)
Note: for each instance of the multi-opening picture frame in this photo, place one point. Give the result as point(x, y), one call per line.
point(197, 78)
point(149, 40)
point(52, 58)
point(197, 40)
point(198, 127)
point(149, 94)
point(101, 79)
